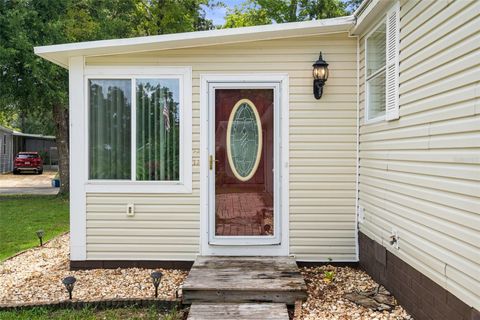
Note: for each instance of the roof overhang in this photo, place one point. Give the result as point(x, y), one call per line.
point(367, 13)
point(60, 54)
point(5, 129)
point(32, 135)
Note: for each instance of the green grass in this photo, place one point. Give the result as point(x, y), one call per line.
point(22, 216)
point(91, 314)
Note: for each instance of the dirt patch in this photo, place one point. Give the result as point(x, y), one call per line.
point(328, 288)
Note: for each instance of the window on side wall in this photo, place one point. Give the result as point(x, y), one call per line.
point(382, 68)
point(137, 130)
point(375, 73)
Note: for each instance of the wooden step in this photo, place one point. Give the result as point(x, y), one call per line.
point(244, 279)
point(238, 311)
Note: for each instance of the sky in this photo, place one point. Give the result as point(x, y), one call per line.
point(217, 14)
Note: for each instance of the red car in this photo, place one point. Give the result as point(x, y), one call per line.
point(28, 161)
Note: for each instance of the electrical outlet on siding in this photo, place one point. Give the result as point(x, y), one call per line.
point(361, 214)
point(394, 239)
point(130, 210)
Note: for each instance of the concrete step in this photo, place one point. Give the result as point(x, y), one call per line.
point(238, 311)
point(244, 280)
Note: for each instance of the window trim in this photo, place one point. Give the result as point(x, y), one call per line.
point(381, 118)
point(184, 75)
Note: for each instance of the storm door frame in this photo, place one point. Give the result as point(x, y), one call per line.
point(278, 244)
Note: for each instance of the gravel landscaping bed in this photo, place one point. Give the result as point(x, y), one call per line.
point(326, 299)
point(36, 276)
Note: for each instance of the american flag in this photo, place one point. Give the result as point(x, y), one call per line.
point(166, 114)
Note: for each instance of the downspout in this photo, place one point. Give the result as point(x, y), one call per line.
point(356, 14)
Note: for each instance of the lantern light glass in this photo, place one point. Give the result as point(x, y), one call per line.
point(320, 76)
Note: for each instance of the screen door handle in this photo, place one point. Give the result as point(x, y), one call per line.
point(211, 160)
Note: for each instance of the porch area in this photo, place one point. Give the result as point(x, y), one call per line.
point(243, 287)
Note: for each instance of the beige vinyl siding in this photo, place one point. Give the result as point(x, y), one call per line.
point(421, 174)
point(322, 156)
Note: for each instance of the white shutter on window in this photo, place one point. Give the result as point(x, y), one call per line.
point(392, 66)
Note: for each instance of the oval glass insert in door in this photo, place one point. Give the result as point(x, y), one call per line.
point(244, 140)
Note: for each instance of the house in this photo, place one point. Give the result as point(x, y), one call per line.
point(12, 142)
point(6, 149)
point(212, 143)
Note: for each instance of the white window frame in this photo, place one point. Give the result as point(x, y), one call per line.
point(367, 119)
point(184, 75)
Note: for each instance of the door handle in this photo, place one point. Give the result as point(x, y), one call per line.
point(211, 160)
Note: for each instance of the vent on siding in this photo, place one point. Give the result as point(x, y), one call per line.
point(391, 86)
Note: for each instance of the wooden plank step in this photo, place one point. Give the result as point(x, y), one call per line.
point(244, 279)
point(238, 311)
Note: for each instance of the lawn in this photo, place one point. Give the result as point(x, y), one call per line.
point(91, 314)
point(22, 216)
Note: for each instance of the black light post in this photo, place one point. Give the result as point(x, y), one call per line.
point(156, 278)
point(40, 234)
point(69, 283)
point(320, 76)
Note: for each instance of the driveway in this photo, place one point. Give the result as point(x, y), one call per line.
point(27, 183)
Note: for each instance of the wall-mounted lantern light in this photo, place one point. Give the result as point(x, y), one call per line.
point(320, 76)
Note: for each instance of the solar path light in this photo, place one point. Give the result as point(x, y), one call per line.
point(156, 278)
point(69, 283)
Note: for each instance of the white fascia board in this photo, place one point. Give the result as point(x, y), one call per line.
point(59, 54)
point(367, 13)
point(5, 129)
point(32, 135)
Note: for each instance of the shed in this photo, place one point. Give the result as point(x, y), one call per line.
point(6, 149)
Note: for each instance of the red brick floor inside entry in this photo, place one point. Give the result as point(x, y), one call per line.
point(244, 214)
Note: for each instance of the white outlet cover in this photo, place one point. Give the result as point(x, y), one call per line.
point(361, 214)
point(130, 210)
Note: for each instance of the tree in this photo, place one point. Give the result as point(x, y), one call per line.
point(246, 16)
point(31, 86)
point(257, 12)
point(171, 16)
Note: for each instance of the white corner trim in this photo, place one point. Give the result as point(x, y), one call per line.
point(184, 74)
point(78, 215)
point(357, 163)
point(244, 80)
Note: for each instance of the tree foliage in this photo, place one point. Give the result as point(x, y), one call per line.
point(29, 83)
point(259, 12)
point(34, 91)
point(246, 16)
